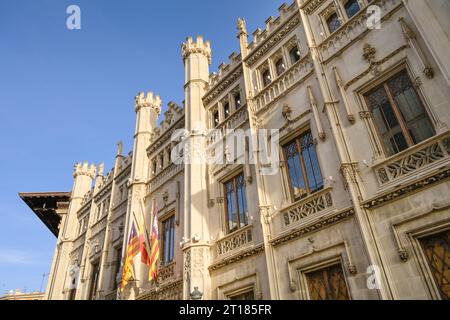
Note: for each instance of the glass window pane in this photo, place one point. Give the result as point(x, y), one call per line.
point(333, 22)
point(351, 8)
point(411, 107)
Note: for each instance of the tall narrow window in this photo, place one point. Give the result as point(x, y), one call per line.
point(351, 8)
point(237, 100)
point(294, 53)
point(279, 65)
point(236, 203)
point(216, 118)
point(94, 281)
point(168, 229)
point(267, 78)
point(333, 22)
point(226, 110)
point(118, 256)
point(303, 165)
point(399, 115)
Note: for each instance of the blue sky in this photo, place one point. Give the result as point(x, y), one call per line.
point(67, 96)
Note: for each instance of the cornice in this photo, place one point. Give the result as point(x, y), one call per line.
point(159, 141)
point(313, 227)
point(310, 6)
point(223, 85)
point(404, 191)
point(237, 257)
point(273, 40)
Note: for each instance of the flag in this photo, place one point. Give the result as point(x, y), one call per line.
point(143, 246)
point(154, 255)
point(132, 252)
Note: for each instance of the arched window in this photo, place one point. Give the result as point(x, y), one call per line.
point(333, 22)
point(294, 53)
point(267, 78)
point(279, 65)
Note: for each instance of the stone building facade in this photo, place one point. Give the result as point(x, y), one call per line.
point(359, 206)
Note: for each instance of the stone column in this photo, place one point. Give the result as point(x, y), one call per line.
point(196, 249)
point(83, 177)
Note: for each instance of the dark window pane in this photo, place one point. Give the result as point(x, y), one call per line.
point(267, 78)
point(294, 53)
point(351, 8)
point(333, 22)
point(237, 101)
point(226, 110)
point(411, 108)
point(280, 66)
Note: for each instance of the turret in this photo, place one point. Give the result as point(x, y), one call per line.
point(196, 58)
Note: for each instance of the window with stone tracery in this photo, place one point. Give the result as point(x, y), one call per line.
point(303, 167)
point(399, 115)
point(236, 203)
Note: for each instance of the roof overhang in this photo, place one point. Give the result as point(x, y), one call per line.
point(48, 206)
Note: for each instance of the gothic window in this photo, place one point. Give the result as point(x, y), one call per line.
point(328, 284)
point(294, 54)
point(237, 100)
point(399, 114)
point(236, 203)
point(94, 281)
point(247, 295)
point(155, 166)
point(226, 110)
point(168, 240)
point(351, 8)
point(304, 172)
point(117, 262)
point(266, 77)
point(333, 22)
point(437, 252)
point(280, 66)
point(216, 118)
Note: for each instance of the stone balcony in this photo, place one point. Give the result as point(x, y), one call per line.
point(414, 162)
point(308, 208)
point(354, 28)
point(284, 83)
point(235, 240)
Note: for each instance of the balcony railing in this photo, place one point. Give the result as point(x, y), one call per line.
point(235, 240)
point(167, 272)
point(284, 82)
point(307, 207)
point(425, 156)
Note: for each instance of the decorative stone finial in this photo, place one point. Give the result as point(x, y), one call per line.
point(119, 148)
point(189, 47)
point(149, 101)
point(242, 25)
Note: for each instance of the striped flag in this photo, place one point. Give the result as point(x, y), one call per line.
point(132, 252)
point(154, 255)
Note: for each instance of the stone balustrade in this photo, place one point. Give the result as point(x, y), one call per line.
point(235, 240)
point(309, 206)
point(425, 156)
point(286, 81)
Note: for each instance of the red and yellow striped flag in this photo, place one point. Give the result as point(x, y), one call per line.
point(132, 252)
point(154, 254)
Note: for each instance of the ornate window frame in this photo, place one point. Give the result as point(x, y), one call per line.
point(365, 113)
point(240, 285)
point(317, 259)
point(413, 230)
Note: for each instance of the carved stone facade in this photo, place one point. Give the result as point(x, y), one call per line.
point(370, 209)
